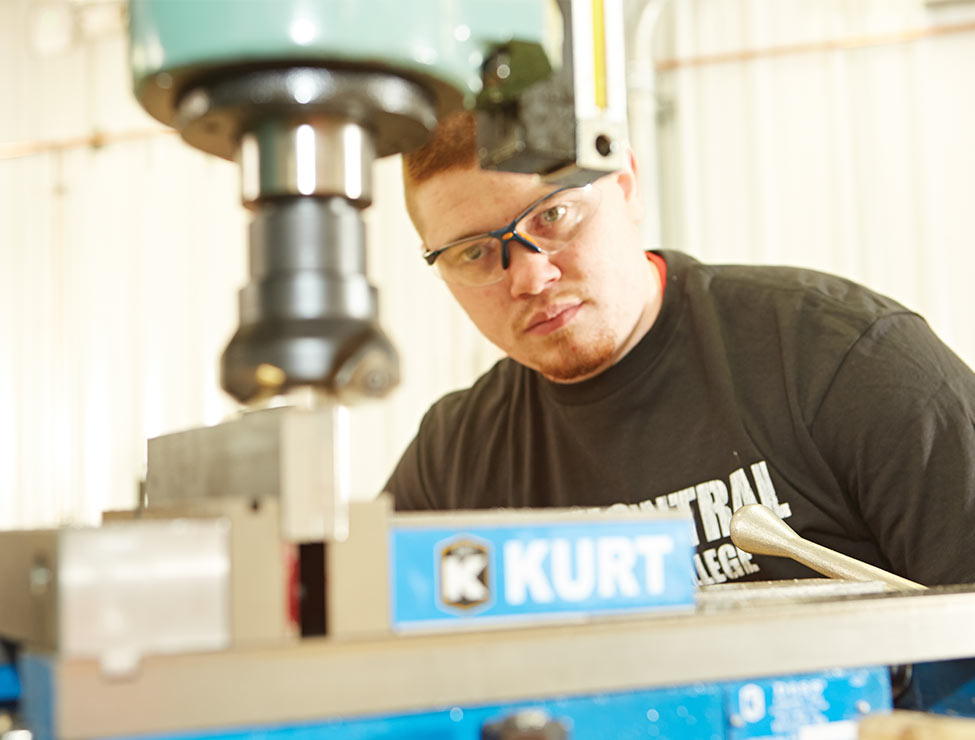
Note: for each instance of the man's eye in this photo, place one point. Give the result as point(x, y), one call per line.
point(552, 221)
point(553, 214)
point(473, 252)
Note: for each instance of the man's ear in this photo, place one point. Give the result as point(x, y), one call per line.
point(629, 184)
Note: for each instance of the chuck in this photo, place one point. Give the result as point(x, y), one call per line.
point(308, 316)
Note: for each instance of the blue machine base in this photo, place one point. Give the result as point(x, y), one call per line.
point(947, 688)
point(9, 684)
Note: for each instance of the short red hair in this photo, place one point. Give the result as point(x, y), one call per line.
point(453, 144)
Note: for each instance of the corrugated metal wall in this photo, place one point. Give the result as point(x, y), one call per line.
point(119, 264)
point(835, 134)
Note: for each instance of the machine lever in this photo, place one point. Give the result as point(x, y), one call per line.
point(757, 529)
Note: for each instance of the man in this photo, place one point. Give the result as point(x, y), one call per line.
point(653, 381)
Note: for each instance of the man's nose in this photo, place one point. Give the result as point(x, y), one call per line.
point(529, 273)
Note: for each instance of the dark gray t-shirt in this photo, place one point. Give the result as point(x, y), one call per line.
point(833, 405)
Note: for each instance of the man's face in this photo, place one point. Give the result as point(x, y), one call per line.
point(568, 315)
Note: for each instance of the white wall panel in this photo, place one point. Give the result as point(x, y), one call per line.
point(834, 135)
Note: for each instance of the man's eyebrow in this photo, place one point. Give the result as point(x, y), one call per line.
point(482, 232)
point(469, 235)
point(518, 214)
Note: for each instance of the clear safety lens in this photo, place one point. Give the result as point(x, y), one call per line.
point(550, 225)
point(557, 219)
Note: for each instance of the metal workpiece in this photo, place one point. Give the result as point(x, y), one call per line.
point(308, 315)
point(118, 592)
point(297, 456)
point(757, 529)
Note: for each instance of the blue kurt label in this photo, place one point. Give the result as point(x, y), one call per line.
point(444, 577)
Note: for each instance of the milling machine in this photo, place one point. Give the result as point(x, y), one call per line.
point(250, 598)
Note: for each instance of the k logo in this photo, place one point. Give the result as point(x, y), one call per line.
point(465, 574)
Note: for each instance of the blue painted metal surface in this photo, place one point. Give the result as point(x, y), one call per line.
point(785, 708)
point(541, 571)
point(9, 684)
point(946, 687)
point(38, 700)
point(687, 712)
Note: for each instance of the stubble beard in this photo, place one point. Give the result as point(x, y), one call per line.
point(570, 359)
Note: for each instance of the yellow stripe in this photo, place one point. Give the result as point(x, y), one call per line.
point(599, 51)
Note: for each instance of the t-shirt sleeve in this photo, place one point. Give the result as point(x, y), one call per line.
point(417, 481)
point(897, 426)
point(406, 484)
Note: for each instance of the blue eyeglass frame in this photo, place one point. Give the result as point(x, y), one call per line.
point(507, 233)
